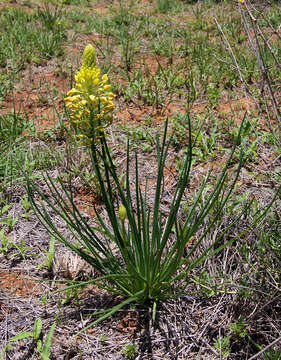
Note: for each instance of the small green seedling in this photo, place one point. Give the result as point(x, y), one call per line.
point(130, 350)
point(4, 209)
point(42, 348)
point(239, 328)
point(9, 221)
point(71, 294)
point(49, 255)
point(25, 203)
point(103, 337)
point(272, 354)
point(23, 250)
point(27, 207)
point(222, 345)
point(5, 242)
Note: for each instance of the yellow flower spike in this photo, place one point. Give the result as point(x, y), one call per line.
point(90, 103)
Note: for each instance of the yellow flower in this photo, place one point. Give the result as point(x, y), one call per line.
point(93, 99)
point(104, 78)
point(72, 92)
point(90, 102)
point(111, 95)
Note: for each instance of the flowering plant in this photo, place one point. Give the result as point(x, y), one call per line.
point(90, 101)
point(138, 254)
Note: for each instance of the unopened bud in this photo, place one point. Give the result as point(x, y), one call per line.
point(122, 213)
point(89, 57)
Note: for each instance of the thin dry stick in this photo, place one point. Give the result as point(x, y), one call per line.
point(260, 33)
point(266, 348)
point(230, 51)
point(262, 66)
point(267, 80)
point(257, 50)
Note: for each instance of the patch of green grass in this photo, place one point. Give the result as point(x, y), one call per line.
point(120, 46)
point(26, 38)
point(27, 35)
point(167, 6)
point(269, 246)
point(12, 126)
point(141, 137)
point(19, 153)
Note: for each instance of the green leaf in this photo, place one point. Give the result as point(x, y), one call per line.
point(22, 335)
point(5, 208)
point(47, 344)
point(39, 346)
point(154, 311)
point(37, 328)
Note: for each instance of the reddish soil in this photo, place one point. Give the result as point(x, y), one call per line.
point(17, 284)
point(39, 96)
point(151, 63)
point(86, 199)
point(139, 114)
point(15, 4)
point(100, 8)
point(136, 114)
point(129, 323)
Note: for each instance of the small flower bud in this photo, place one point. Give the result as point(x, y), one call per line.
point(111, 95)
point(104, 78)
point(122, 213)
point(72, 92)
point(89, 57)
